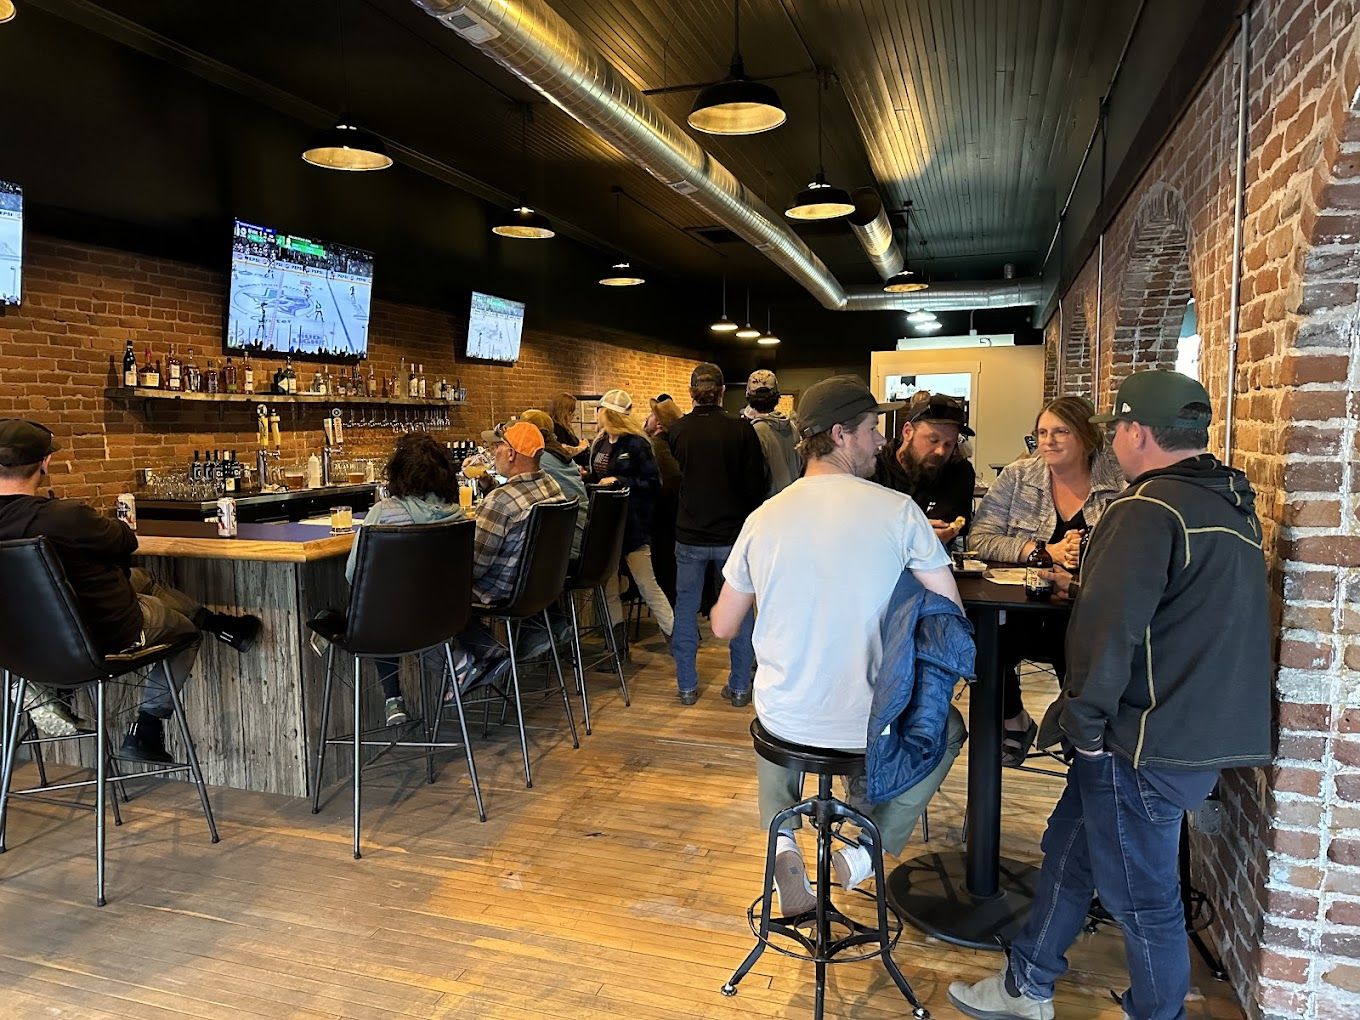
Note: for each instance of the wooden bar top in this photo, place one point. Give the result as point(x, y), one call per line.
point(273, 543)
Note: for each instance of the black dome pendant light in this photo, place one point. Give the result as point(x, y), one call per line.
point(344, 146)
point(724, 325)
point(621, 273)
point(736, 105)
point(904, 281)
point(522, 221)
point(820, 200)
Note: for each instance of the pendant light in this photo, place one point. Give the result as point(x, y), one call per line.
point(928, 327)
point(904, 281)
point(747, 332)
point(736, 105)
point(769, 339)
point(919, 316)
point(344, 146)
point(820, 200)
point(522, 221)
point(724, 325)
point(621, 273)
point(7, 11)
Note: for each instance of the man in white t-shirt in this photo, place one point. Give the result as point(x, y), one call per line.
point(820, 561)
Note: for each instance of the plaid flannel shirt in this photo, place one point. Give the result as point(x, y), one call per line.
point(500, 532)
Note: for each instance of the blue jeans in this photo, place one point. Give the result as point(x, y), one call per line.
point(691, 564)
point(1114, 835)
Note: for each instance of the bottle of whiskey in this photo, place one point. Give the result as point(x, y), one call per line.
point(231, 384)
point(423, 389)
point(174, 370)
point(289, 376)
point(212, 378)
point(413, 383)
point(372, 385)
point(151, 375)
point(248, 376)
point(130, 378)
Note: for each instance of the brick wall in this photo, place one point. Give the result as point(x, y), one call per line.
point(62, 349)
point(1285, 872)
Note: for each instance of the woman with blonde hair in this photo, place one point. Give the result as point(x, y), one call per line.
point(622, 456)
point(1053, 496)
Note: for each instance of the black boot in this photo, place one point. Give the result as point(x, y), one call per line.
point(145, 741)
point(238, 631)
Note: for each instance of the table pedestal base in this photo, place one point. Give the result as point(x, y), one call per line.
point(930, 892)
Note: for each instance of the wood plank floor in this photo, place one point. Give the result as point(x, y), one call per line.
point(616, 887)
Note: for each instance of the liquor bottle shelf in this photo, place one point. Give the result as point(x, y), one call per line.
point(149, 393)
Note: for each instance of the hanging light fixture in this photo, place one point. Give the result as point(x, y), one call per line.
point(621, 273)
point(344, 146)
point(769, 339)
point(736, 105)
point(522, 221)
point(820, 200)
point(919, 316)
point(747, 332)
point(7, 11)
point(724, 325)
point(928, 327)
point(904, 281)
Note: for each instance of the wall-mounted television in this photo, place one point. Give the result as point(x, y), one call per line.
point(299, 296)
point(11, 242)
point(495, 326)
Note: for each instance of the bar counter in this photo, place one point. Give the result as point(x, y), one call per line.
point(263, 543)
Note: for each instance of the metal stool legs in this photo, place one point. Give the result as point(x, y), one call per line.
point(321, 744)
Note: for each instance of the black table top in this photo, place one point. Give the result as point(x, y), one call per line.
point(978, 592)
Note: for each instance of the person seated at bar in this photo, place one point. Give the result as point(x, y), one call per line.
point(817, 635)
point(124, 608)
point(1052, 496)
point(924, 463)
point(562, 407)
point(556, 463)
point(621, 456)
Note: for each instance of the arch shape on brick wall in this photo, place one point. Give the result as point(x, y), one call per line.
point(1076, 376)
point(1155, 287)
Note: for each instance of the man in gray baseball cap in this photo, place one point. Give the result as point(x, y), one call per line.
point(835, 401)
point(778, 439)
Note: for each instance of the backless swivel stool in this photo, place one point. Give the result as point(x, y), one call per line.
point(825, 812)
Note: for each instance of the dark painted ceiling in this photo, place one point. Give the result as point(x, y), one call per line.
point(150, 124)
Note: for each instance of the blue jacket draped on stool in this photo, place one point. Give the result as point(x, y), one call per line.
point(927, 647)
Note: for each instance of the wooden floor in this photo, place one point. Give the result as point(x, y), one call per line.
point(617, 886)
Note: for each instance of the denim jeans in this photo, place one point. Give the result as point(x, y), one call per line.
point(691, 564)
point(1114, 835)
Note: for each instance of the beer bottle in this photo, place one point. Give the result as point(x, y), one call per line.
point(1037, 586)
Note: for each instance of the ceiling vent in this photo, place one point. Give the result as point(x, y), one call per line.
point(469, 26)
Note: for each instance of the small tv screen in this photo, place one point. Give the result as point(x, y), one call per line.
point(11, 242)
point(295, 295)
point(494, 328)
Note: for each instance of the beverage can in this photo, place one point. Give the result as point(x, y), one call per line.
point(226, 517)
point(125, 507)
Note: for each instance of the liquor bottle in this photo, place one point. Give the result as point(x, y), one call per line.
point(289, 376)
point(248, 376)
point(372, 386)
point(1038, 587)
point(230, 474)
point(193, 378)
point(386, 386)
point(229, 377)
point(413, 383)
point(318, 382)
point(195, 469)
point(424, 391)
point(153, 377)
point(174, 371)
point(130, 378)
point(399, 380)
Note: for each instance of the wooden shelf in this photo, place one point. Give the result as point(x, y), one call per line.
point(146, 393)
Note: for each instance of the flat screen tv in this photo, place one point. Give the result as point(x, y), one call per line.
point(294, 295)
point(494, 328)
point(11, 242)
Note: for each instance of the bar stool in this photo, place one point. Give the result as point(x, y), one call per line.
point(824, 811)
point(601, 550)
point(45, 641)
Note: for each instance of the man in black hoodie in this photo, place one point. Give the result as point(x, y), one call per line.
point(1168, 683)
point(123, 608)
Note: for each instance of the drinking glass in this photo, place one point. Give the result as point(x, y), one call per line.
point(342, 520)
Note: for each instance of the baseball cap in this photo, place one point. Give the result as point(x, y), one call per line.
point(762, 380)
point(537, 417)
point(524, 437)
point(706, 374)
point(618, 401)
point(24, 442)
point(943, 410)
point(835, 400)
point(1158, 398)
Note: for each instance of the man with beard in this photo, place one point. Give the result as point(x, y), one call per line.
point(923, 465)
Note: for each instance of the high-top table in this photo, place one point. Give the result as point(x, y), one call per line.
point(976, 897)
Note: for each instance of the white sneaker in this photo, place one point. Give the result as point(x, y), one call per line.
point(791, 884)
point(852, 865)
point(396, 711)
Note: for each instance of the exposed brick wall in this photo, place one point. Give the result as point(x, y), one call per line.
point(62, 349)
point(1285, 872)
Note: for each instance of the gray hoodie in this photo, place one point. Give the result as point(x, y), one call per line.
point(426, 509)
point(779, 442)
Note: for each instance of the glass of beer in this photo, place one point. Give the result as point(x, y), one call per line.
point(294, 478)
point(465, 495)
point(342, 520)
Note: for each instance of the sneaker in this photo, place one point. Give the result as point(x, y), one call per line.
point(145, 741)
point(688, 697)
point(49, 713)
point(240, 632)
point(791, 885)
point(396, 711)
point(852, 865)
point(990, 1000)
point(739, 699)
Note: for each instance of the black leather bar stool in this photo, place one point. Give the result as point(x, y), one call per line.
point(538, 584)
point(412, 590)
point(45, 641)
point(822, 947)
point(601, 550)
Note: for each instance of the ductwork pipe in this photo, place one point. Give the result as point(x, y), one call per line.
point(872, 229)
point(531, 41)
point(949, 297)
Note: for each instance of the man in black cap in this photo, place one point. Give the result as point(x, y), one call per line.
point(822, 561)
point(923, 462)
point(123, 607)
point(723, 477)
point(1168, 682)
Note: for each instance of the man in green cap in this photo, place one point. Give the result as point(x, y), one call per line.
point(1168, 682)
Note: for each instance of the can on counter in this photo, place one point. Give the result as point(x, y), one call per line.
point(226, 517)
point(125, 508)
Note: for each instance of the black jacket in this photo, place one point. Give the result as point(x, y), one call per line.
point(96, 553)
point(1168, 648)
point(631, 462)
point(722, 475)
point(946, 497)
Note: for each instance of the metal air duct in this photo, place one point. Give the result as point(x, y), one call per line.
point(872, 229)
point(949, 296)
